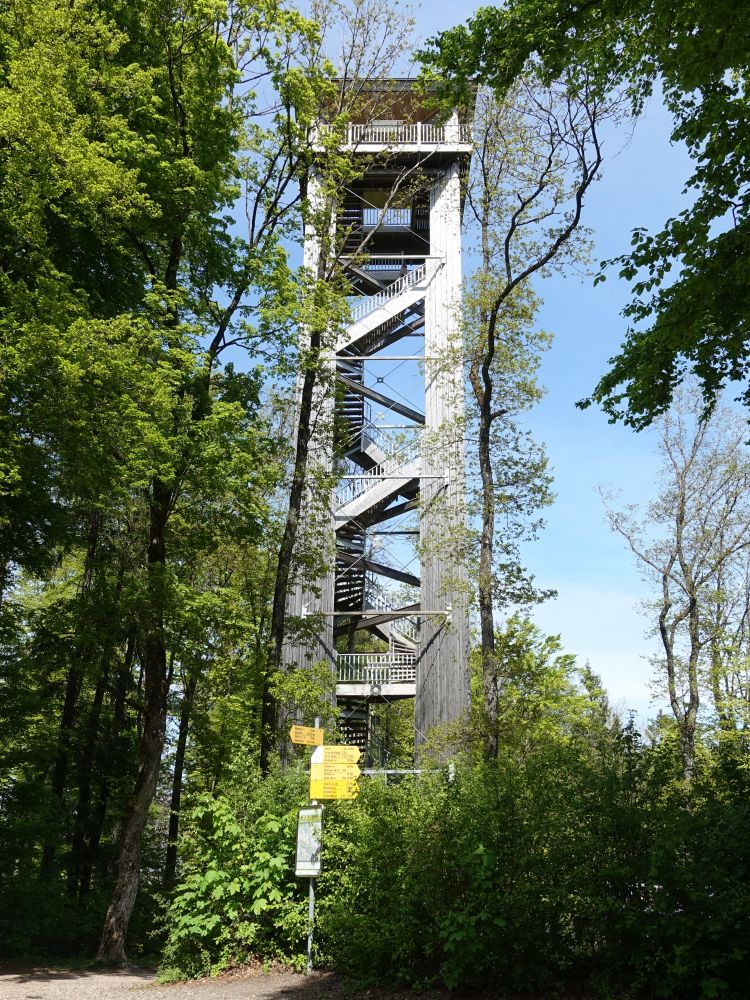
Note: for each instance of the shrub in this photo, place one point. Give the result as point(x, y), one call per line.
point(238, 896)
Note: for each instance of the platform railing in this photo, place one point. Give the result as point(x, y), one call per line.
point(398, 133)
point(376, 668)
point(386, 218)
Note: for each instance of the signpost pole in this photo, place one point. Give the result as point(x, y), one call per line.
point(333, 775)
point(311, 899)
point(310, 920)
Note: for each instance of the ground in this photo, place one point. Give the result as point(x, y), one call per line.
point(40, 983)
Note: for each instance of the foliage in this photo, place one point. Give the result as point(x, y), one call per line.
point(238, 896)
point(569, 861)
point(697, 52)
point(573, 863)
point(136, 467)
point(691, 544)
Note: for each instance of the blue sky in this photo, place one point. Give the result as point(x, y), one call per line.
point(598, 583)
point(599, 587)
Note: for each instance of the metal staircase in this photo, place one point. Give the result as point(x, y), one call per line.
point(380, 319)
point(381, 480)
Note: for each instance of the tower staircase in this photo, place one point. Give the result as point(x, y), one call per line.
point(381, 481)
point(379, 319)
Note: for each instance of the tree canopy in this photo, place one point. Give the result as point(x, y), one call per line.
point(689, 309)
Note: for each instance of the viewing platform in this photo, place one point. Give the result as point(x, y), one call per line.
point(402, 137)
point(376, 675)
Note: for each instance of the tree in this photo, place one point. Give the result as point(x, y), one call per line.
point(192, 258)
point(537, 152)
point(129, 132)
point(692, 544)
point(698, 54)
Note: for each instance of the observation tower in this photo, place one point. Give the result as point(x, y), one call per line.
point(392, 607)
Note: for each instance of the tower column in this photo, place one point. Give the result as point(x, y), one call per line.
point(442, 683)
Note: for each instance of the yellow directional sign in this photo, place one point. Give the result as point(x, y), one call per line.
point(307, 735)
point(334, 772)
point(333, 789)
point(336, 755)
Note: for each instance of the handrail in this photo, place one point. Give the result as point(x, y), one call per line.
point(377, 436)
point(354, 487)
point(373, 302)
point(394, 133)
point(375, 598)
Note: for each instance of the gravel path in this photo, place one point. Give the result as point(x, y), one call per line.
point(139, 984)
point(39, 983)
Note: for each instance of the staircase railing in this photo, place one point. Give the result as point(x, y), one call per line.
point(377, 436)
point(373, 302)
point(376, 600)
point(354, 486)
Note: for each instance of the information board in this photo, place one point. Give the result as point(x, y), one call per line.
point(309, 838)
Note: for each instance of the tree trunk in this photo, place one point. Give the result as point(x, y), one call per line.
point(170, 862)
point(99, 812)
point(286, 551)
point(481, 382)
point(73, 685)
point(486, 612)
point(154, 717)
point(60, 769)
point(85, 770)
point(87, 755)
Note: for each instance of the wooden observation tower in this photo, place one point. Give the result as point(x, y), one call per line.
point(394, 607)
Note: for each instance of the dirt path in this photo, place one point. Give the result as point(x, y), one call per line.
point(40, 983)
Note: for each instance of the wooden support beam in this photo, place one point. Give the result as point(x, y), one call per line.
point(371, 622)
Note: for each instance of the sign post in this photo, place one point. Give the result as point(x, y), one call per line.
point(334, 772)
point(333, 775)
point(310, 924)
point(309, 838)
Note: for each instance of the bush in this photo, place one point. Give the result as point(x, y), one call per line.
point(238, 896)
point(575, 864)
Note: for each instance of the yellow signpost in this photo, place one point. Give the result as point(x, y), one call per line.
point(336, 755)
point(333, 789)
point(334, 772)
point(307, 735)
